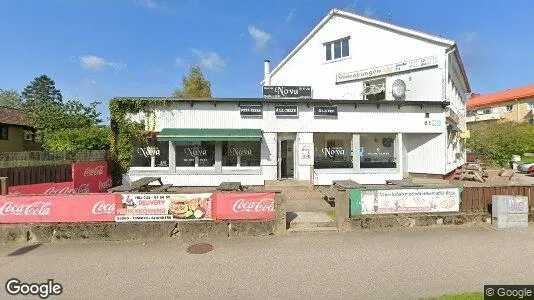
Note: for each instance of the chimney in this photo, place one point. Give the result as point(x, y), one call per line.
point(267, 72)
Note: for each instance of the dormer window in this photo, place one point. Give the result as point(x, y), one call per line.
point(337, 49)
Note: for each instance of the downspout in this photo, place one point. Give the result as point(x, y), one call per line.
point(444, 97)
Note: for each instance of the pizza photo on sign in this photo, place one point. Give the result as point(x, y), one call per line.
point(194, 206)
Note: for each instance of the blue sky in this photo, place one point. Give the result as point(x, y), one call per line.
point(98, 49)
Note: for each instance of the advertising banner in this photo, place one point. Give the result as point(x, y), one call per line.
point(48, 188)
point(244, 206)
point(404, 200)
point(163, 207)
point(92, 176)
point(58, 208)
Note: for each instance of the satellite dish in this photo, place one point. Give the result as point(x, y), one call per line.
point(398, 89)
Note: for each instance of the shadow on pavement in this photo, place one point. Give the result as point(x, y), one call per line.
point(24, 250)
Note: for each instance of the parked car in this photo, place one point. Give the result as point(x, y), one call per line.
point(531, 170)
point(524, 168)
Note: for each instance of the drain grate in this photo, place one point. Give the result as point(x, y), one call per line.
point(201, 248)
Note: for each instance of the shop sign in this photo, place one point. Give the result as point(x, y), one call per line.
point(286, 110)
point(333, 151)
point(287, 92)
point(148, 151)
point(251, 110)
point(234, 151)
point(388, 69)
point(58, 208)
point(244, 206)
point(163, 207)
point(195, 151)
point(404, 201)
point(91, 176)
point(325, 111)
point(306, 154)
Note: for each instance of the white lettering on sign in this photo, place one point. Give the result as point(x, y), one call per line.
point(240, 151)
point(266, 204)
point(105, 185)
point(389, 69)
point(102, 207)
point(96, 171)
point(331, 152)
point(37, 208)
point(195, 151)
point(148, 151)
point(284, 91)
point(82, 189)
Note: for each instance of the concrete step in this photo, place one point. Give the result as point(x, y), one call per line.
point(313, 229)
point(309, 220)
point(287, 183)
point(311, 224)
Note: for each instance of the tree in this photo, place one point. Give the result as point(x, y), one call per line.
point(76, 139)
point(49, 117)
point(194, 85)
point(498, 141)
point(10, 98)
point(42, 90)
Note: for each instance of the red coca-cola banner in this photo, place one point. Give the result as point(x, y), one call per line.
point(58, 208)
point(91, 176)
point(49, 188)
point(243, 206)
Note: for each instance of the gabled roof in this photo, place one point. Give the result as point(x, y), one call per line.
point(12, 116)
point(518, 93)
point(377, 23)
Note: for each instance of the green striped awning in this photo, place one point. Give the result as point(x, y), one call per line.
point(208, 135)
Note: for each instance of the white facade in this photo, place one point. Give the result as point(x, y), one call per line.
point(370, 140)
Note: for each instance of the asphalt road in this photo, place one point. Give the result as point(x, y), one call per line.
point(403, 264)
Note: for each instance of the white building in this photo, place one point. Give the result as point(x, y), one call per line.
point(386, 102)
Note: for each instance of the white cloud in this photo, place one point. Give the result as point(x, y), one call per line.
point(178, 61)
point(470, 36)
point(210, 60)
point(93, 62)
point(290, 15)
point(261, 38)
point(153, 5)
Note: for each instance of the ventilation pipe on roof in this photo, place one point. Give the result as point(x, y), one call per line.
point(266, 72)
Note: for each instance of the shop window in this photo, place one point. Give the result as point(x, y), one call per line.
point(3, 133)
point(241, 154)
point(337, 49)
point(195, 154)
point(378, 150)
point(375, 89)
point(332, 150)
point(150, 153)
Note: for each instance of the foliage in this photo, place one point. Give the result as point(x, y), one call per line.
point(76, 139)
point(52, 117)
point(10, 98)
point(42, 90)
point(194, 85)
point(498, 141)
point(465, 296)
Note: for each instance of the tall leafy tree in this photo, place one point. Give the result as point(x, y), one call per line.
point(49, 117)
point(10, 98)
point(194, 85)
point(42, 90)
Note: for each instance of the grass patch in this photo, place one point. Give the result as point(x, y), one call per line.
point(465, 296)
point(331, 213)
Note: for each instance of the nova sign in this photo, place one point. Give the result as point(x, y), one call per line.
point(287, 91)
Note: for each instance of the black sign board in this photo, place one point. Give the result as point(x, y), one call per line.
point(251, 110)
point(276, 91)
point(330, 111)
point(286, 110)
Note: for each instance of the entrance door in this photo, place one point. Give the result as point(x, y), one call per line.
point(287, 165)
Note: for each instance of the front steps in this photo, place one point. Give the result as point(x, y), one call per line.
point(310, 222)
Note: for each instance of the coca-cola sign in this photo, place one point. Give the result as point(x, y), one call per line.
point(244, 206)
point(334, 151)
point(82, 189)
point(58, 208)
point(105, 185)
point(96, 171)
point(49, 188)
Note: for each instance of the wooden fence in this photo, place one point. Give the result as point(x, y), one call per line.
point(478, 199)
point(37, 174)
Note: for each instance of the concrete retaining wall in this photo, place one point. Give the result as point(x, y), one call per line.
point(46, 233)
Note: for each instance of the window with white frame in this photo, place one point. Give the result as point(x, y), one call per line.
point(195, 154)
point(241, 154)
point(149, 152)
point(337, 49)
point(333, 150)
point(378, 150)
point(374, 89)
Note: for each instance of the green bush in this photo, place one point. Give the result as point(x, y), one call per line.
point(498, 141)
point(76, 139)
